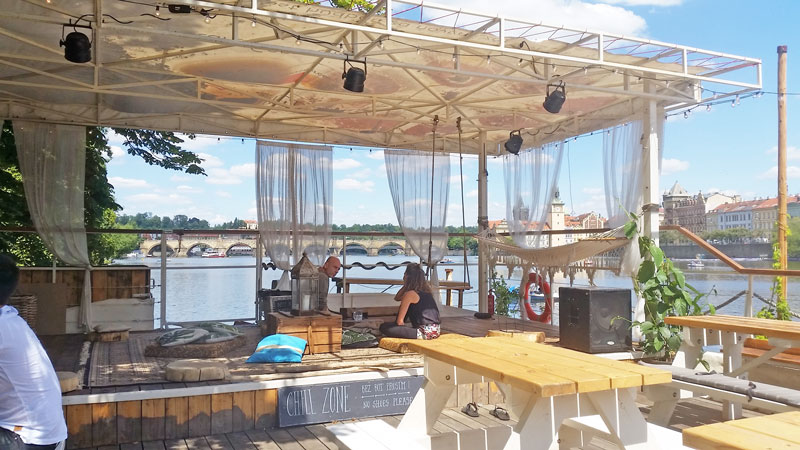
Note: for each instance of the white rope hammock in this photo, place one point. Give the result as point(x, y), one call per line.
point(562, 255)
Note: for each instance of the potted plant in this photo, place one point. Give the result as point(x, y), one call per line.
point(506, 300)
point(665, 292)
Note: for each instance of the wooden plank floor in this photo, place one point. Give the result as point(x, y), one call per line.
point(309, 437)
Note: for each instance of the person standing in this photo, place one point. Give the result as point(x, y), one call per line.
point(417, 305)
point(30, 394)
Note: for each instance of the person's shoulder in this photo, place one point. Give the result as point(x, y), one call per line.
point(412, 296)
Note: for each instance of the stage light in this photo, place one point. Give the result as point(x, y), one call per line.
point(555, 99)
point(354, 77)
point(77, 47)
point(514, 142)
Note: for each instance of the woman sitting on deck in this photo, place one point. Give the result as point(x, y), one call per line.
point(417, 305)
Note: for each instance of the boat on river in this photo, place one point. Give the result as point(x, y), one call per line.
point(213, 254)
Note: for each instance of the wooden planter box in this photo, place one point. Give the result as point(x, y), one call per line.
point(323, 332)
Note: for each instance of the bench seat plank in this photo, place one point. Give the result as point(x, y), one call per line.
point(764, 391)
point(744, 325)
point(778, 431)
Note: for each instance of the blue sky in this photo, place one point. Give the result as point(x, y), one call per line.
point(729, 149)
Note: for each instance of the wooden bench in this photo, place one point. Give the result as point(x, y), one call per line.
point(449, 286)
point(731, 387)
point(773, 431)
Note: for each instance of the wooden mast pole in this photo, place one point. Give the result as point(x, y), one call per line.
point(782, 50)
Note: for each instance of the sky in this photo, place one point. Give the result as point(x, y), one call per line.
point(728, 149)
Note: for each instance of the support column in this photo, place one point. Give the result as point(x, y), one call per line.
point(651, 120)
point(483, 224)
point(782, 226)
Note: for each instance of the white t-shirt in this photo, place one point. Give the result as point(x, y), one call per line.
point(30, 395)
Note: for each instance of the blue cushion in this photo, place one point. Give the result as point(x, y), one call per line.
point(279, 348)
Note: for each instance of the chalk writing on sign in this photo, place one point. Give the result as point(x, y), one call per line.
point(300, 405)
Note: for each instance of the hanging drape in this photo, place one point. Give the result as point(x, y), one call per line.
point(420, 185)
point(623, 166)
point(530, 180)
point(52, 161)
point(294, 202)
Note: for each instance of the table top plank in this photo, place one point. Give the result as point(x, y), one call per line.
point(523, 359)
point(539, 383)
point(753, 325)
point(543, 370)
point(771, 431)
point(626, 374)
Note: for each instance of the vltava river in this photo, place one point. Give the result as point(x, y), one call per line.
point(203, 293)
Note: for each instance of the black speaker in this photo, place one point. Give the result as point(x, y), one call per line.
point(586, 319)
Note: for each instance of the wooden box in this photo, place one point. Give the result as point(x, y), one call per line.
point(323, 332)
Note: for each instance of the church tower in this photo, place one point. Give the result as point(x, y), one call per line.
point(556, 219)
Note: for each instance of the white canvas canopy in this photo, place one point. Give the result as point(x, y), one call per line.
point(273, 70)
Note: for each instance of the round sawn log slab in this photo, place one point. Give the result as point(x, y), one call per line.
point(186, 370)
point(68, 381)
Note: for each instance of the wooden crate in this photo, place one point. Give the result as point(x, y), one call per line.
point(323, 332)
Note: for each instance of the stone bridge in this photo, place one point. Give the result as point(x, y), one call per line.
point(191, 245)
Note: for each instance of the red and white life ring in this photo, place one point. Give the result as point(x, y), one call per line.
point(535, 278)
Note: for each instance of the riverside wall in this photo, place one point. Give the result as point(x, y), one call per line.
point(690, 251)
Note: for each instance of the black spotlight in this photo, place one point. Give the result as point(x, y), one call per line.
point(514, 142)
point(555, 99)
point(354, 77)
point(77, 47)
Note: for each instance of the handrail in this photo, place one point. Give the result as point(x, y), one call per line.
point(725, 258)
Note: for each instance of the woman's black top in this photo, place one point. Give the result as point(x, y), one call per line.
point(424, 312)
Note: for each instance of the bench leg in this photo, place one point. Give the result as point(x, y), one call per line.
point(732, 345)
point(621, 415)
point(425, 409)
point(664, 399)
point(538, 419)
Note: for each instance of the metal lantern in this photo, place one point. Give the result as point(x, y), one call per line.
point(305, 287)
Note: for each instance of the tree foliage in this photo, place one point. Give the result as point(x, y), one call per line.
point(155, 147)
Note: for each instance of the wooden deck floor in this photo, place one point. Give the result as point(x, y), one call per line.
point(689, 413)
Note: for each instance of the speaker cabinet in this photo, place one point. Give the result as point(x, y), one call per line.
point(586, 319)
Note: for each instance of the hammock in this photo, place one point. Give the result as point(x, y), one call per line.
point(562, 255)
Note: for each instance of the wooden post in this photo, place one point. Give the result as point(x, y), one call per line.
point(782, 161)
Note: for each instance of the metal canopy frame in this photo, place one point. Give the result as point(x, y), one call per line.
point(424, 59)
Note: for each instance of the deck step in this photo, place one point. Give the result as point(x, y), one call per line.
point(372, 435)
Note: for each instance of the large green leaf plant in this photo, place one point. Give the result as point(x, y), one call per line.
point(665, 292)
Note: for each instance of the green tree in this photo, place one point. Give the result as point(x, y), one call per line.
point(155, 147)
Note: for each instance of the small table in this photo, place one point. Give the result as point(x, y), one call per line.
point(773, 431)
point(544, 386)
point(731, 332)
point(342, 283)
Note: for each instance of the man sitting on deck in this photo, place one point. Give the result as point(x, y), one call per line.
point(30, 395)
point(327, 270)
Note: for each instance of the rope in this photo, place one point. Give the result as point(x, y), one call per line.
point(730, 300)
point(463, 213)
point(433, 172)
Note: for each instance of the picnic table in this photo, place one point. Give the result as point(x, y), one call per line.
point(460, 287)
point(773, 431)
point(545, 387)
point(730, 332)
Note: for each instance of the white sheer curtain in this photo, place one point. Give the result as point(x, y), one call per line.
point(530, 179)
point(52, 160)
point(623, 178)
point(420, 201)
point(294, 202)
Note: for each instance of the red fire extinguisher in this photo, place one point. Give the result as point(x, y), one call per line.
point(490, 297)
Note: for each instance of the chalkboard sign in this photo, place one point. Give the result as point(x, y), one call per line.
point(318, 403)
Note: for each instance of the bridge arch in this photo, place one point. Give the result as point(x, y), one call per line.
point(197, 249)
point(157, 249)
point(355, 248)
point(240, 249)
point(391, 248)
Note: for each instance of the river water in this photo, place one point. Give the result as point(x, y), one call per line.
point(206, 293)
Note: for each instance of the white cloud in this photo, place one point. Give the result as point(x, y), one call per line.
point(133, 183)
point(244, 170)
point(252, 212)
point(728, 192)
point(350, 184)
point(471, 194)
point(210, 161)
point(117, 151)
point(644, 2)
point(671, 165)
point(189, 189)
point(792, 153)
point(362, 174)
point(201, 142)
point(376, 154)
point(158, 199)
point(223, 194)
point(571, 13)
point(772, 173)
point(345, 163)
point(221, 176)
point(180, 178)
